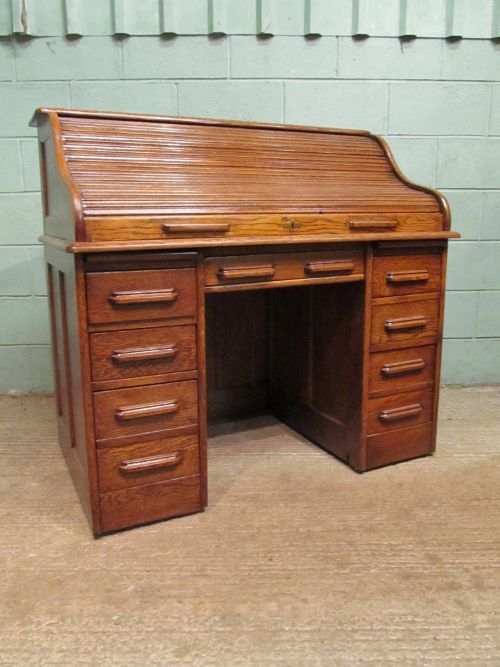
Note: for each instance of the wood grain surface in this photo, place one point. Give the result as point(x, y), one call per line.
point(109, 405)
point(132, 167)
point(111, 459)
point(139, 352)
point(102, 287)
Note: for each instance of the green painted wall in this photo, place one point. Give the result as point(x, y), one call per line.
point(437, 102)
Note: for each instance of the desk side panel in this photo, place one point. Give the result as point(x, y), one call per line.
point(72, 375)
point(60, 197)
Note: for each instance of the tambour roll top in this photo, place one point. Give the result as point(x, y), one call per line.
point(249, 176)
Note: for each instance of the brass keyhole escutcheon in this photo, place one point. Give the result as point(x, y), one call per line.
point(291, 225)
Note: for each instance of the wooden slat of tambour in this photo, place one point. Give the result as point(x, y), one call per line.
point(181, 130)
point(134, 166)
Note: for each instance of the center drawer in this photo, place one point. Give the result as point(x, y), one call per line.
point(286, 267)
point(141, 410)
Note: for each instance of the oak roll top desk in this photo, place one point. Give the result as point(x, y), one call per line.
point(169, 243)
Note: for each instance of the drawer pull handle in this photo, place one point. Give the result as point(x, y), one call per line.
point(339, 266)
point(405, 323)
point(401, 367)
point(143, 353)
point(407, 277)
point(404, 412)
point(143, 296)
point(148, 410)
point(150, 463)
point(196, 228)
point(373, 224)
point(242, 272)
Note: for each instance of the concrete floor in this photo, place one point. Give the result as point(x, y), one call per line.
point(298, 560)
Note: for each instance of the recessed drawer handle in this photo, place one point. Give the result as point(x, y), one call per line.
point(242, 272)
point(196, 228)
point(397, 414)
point(143, 353)
point(151, 463)
point(407, 277)
point(401, 367)
point(373, 224)
point(336, 266)
point(148, 410)
point(143, 296)
point(404, 323)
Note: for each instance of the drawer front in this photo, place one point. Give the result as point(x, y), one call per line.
point(410, 408)
point(276, 267)
point(151, 502)
point(128, 354)
point(405, 322)
point(406, 274)
point(148, 462)
point(398, 369)
point(128, 412)
point(121, 296)
point(394, 446)
point(249, 226)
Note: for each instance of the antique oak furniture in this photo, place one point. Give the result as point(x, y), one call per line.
point(212, 269)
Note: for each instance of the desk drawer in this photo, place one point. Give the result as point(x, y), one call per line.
point(406, 274)
point(249, 226)
point(119, 355)
point(121, 296)
point(397, 411)
point(325, 266)
point(139, 410)
point(148, 462)
point(398, 323)
point(151, 502)
point(398, 369)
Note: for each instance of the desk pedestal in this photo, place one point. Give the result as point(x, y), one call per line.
point(341, 342)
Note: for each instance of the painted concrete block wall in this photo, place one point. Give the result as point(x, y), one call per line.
point(437, 103)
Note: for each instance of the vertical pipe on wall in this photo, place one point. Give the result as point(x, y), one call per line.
point(495, 21)
point(167, 18)
point(119, 14)
point(452, 26)
point(309, 23)
point(404, 29)
point(19, 16)
point(218, 17)
point(73, 17)
point(263, 17)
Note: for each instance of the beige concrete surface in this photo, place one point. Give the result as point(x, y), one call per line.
point(298, 560)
